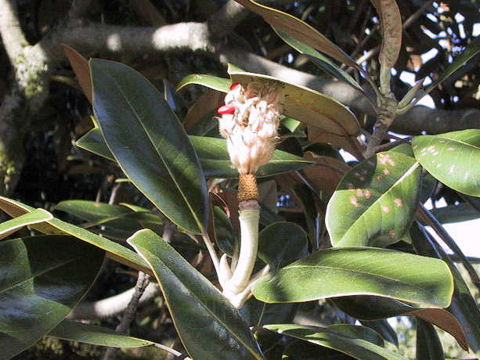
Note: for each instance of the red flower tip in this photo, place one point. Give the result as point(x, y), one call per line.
point(226, 109)
point(234, 86)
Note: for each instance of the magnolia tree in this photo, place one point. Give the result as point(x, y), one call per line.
point(236, 263)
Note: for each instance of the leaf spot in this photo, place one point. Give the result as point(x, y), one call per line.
point(391, 233)
point(385, 209)
point(359, 192)
point(367, 193)
point(451, 149)
point(452, 168)
point(354, 201)
point(378, 177)
point(386, 172)
point(398, 202)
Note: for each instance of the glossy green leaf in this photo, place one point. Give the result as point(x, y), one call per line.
point(94, 142)
point(375, 202)
point(43, 278)
point(36, 216)
point(149, 143)
point(357, 348)
point(359, 271)
point(449, 158)
point(95, 335)
point(376, 308)
point(455, 213)
point(207, 324)
point(215, 160)
point(282, 243)
point(300, 30)
point(359, 332)
point(308, 106)
point(383, 328)
point(55, 226)
point(471, 50)
point(212, 153)
point(212, 82)
point(429, 346)
point(318, 59)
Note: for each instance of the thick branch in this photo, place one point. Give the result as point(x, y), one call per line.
point(10, 30)
point(112, 306)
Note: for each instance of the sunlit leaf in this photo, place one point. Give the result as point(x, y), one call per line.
point(36, 216)
point(206, 322)
point(360, 271)
point(449, 158)
point(375, 202)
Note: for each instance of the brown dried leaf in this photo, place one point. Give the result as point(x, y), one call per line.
point(205, 104)
point(391, 23)
point(81, 69)
point(327, 174)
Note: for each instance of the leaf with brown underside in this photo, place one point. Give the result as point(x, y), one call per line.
point(307, 105)
point(348, 143)
point(206, 104)
point(326, 174)
point(391, 23)
point(300, 30)
point(80, 68)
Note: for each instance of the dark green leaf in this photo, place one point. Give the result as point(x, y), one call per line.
point(375, 202)
point(358, 348)
point(463, 305)
point(43, 278)
point(360, 271)
point(383, 328)
point(449, 157)
point(36, 216)
point(300, 30)
point(95, 335)
point(358, 332)
point(212, 82)
point(318, 59)
point(375, 308)
point(55, 226)
point(213, 155)
point(149, 143)
point(215, 160)
point(282, 243)
point(429, 346)
point(209, 327)
point(472, 49)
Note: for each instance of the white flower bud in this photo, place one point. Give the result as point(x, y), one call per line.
point(251, 126)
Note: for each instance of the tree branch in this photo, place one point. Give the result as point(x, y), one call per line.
point(112, 306)
point(12, 35)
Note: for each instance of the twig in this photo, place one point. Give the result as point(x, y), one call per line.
point(177, 355)
point(129, 314)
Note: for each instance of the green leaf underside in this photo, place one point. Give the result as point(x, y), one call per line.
point(355, 347)
point(95, 335)
point(375, 201)
point(55, 226)
point(308, 106)
point(36, 216)
point(43, 278)
point(360, 271)
point(209, 327)
point(450, 158)
point(300, 30)
point(149, 143)
point(318, 59)
point(359, 332)
point(212, 153)
point(212, 82)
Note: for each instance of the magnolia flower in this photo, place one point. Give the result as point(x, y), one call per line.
point(249, 122)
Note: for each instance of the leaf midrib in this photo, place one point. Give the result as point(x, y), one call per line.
point(139, 119)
